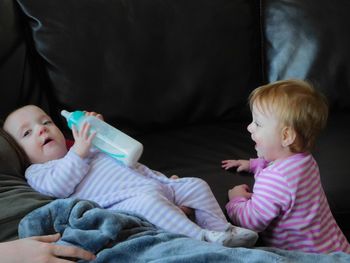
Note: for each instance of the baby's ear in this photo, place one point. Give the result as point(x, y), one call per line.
point(288, 136)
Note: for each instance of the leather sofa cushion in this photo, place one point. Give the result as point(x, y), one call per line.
point(310, 40)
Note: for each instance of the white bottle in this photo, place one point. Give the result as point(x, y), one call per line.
point(108, 139)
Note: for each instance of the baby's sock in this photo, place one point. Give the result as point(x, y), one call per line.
point(232, 237)
point(242, 236)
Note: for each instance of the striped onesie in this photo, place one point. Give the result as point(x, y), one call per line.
point(289, 207)
point(141, 190)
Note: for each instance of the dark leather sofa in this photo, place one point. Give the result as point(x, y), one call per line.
point(176, 76)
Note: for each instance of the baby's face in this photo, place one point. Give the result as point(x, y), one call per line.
point(265, 131)
point(36, 133)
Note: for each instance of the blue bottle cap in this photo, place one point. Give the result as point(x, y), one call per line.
point(72, 118)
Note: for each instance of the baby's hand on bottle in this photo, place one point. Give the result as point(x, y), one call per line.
point(83, 139)
point(95, 114)
point(242, 165)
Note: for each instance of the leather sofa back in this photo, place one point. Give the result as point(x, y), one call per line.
point(158, 64)
point(21, 76)
point(143, 64)
point(309, 40)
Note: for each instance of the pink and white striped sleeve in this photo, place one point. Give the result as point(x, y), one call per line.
point(271, 195)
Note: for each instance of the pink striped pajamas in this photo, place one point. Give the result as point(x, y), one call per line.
point(289, 207)
point(141, 190)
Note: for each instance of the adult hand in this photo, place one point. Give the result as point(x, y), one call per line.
point(40, 249)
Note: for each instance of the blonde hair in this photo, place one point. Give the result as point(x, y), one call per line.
point(297, 105)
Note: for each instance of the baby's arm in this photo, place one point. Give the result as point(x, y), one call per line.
point(263, 206)
point(239, 191)
point(242, 165)
point(58, 178)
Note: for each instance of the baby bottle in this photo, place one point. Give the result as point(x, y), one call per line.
point(107, 139)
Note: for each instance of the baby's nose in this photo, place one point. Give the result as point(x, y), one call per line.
point(42, 130)
point(249, 128)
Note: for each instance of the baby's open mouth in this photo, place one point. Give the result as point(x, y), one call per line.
point(47, 140)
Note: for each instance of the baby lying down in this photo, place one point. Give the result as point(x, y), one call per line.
point(86, 173)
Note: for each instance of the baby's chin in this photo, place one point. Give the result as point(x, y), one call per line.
point(260, 155)
point(60, 155)
point(49, 156)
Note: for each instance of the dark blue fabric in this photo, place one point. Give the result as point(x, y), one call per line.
point(123, 237)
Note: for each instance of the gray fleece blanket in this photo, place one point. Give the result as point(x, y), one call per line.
point(123, 237)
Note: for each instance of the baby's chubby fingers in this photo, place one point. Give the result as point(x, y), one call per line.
point(75, 132)
point(95, 114)
point(86, 134)
point(227, 164)
point(84, 131)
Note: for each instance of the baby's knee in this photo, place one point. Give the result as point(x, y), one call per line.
point(200, 183)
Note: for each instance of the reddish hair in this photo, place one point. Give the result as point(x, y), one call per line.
point(297, 105)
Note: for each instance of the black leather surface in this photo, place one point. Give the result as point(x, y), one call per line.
point(198, 151)
point(149, 64)
point(22, 79)
point(309, 39)
point(332, 154)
